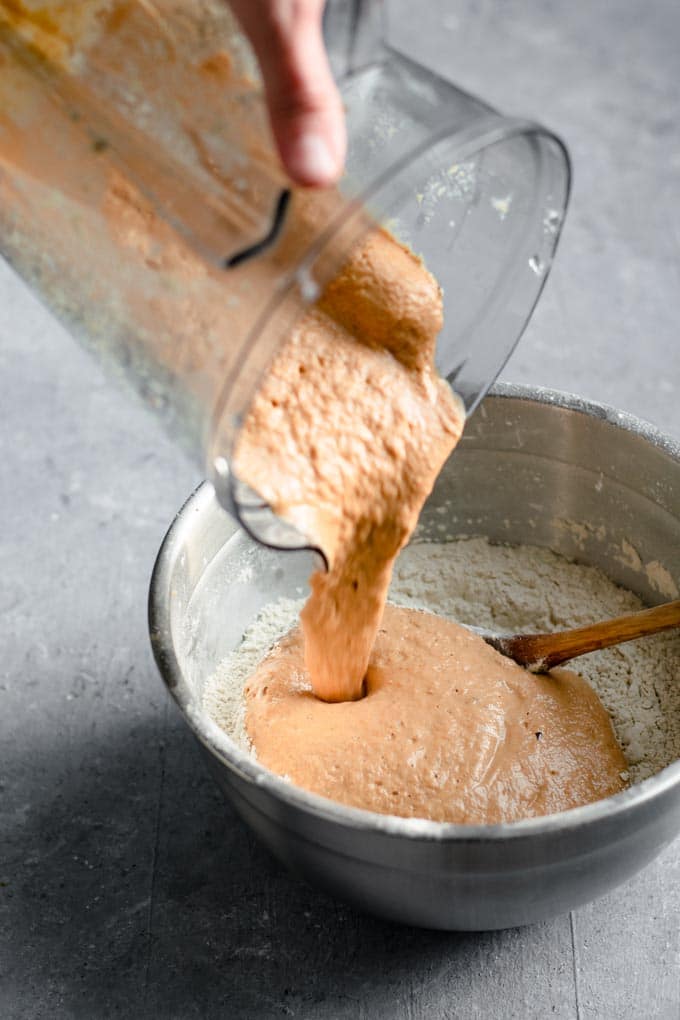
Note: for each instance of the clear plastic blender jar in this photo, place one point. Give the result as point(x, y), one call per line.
point(141, 198)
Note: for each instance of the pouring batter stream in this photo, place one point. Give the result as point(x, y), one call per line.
point(346, 438)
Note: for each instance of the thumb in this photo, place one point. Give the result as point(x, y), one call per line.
point(305, 108)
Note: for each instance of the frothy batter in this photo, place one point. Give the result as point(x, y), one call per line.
point(449, 729)
point(346, 437)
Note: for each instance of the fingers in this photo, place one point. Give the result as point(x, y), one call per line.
point(305, 109)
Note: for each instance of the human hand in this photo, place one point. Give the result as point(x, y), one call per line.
point(304, 105)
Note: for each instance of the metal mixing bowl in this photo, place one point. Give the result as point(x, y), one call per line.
point(536, 467)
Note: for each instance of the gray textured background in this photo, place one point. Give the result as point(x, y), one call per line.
point(127, 887)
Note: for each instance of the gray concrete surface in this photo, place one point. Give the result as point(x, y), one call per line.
point(127, 887)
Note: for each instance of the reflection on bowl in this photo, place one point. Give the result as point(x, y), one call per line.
point(533, 467)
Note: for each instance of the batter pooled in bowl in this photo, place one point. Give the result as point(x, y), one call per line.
point(449, 729)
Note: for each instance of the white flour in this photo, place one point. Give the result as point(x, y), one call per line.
point(508, 589)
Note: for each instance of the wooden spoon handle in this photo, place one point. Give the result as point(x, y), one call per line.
point(540, 652)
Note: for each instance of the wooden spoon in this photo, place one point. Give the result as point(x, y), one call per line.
point(540, 652)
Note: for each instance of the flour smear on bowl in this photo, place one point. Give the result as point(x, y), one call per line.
point(512, 590)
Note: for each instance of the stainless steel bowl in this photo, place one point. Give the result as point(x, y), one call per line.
point(534, 466)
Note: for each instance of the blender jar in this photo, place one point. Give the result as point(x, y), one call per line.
point(141, 198)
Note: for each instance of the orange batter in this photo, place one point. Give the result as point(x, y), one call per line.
point(346, 437)
point(449, 729)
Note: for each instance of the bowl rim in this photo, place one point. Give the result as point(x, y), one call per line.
point(222, 747)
